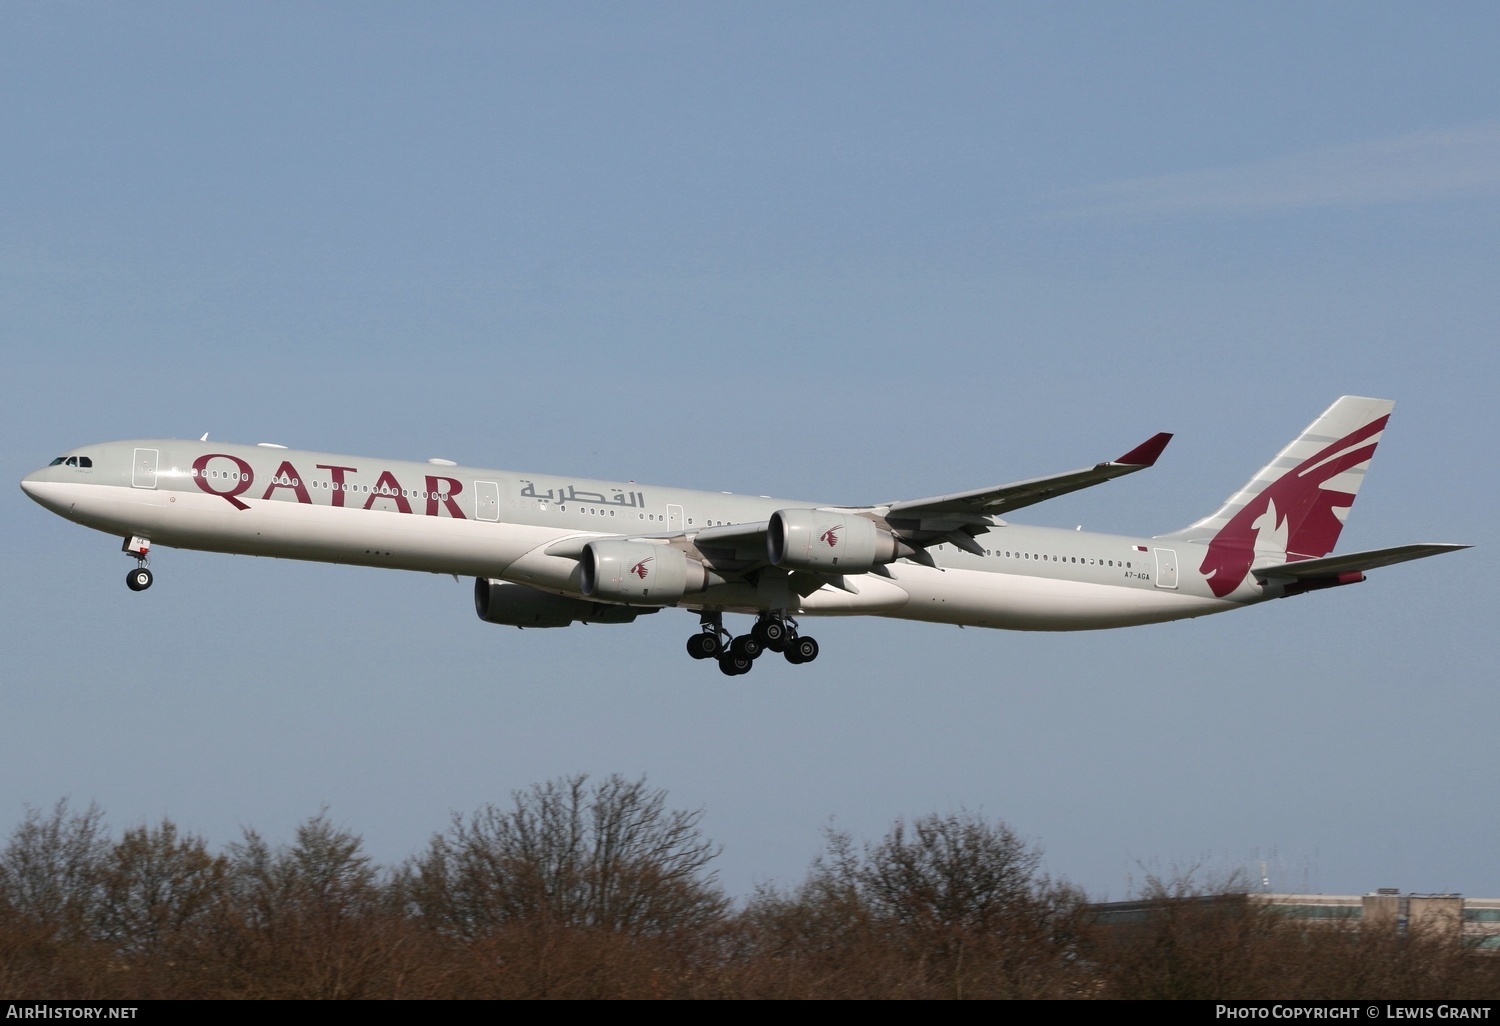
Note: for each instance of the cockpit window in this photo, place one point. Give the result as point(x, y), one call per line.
point(55, 462)
point(73, 461)
point(85, 461)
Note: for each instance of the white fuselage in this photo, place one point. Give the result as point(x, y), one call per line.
point(442, 518)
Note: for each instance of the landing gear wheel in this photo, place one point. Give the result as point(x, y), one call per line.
point(747, 645)
point(711, 640)
point(772, 634)
point(732, 664)
point(138, 579)
point(802, 650)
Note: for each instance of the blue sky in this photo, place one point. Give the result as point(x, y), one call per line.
point(839, 252)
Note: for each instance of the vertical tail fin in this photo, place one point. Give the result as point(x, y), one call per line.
point(1294, 508)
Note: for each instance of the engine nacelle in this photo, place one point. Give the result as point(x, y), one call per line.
point(640, 573)
point(809, 539)
point(516, 605)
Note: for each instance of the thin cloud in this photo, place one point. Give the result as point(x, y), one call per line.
point(1410, 168)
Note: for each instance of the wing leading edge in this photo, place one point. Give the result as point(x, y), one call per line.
point(1000, 499)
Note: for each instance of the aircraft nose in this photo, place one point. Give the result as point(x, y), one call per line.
point(42, 490)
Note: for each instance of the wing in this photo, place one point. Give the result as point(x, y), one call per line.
point(1000, 499)
point(909, 526)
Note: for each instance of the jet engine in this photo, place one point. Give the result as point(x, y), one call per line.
point(810, 539)
point(639, 572)
point(515, 605)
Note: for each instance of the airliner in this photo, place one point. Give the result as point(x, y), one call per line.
point(551, 550)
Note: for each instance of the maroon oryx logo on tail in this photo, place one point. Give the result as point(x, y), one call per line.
point(829, 537)
point(640, 568)
point(1295, 507)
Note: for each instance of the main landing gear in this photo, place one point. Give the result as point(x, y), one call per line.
point(140, 578)
point(774, 632)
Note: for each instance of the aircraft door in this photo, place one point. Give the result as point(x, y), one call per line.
point(486, 500)
point(143, 470)
point(674, 518)
point(1166, 568)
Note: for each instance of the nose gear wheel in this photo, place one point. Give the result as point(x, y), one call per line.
point(140, 578)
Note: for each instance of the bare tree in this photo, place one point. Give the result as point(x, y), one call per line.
point(955, 871)
point(324, 873)
point(157, 885)
point(309, 919)
point(51, 868)
point(942, 906)
point(610, 855)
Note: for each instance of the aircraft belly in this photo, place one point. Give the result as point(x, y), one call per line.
point(872, 595)
point(304, 531)
point(1018, 602)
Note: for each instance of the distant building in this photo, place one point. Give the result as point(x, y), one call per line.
point(1473, 920)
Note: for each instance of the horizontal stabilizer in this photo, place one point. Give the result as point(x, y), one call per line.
point(1352, 562)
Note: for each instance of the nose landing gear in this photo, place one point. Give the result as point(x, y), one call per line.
point(140, 578)
point(773, 631)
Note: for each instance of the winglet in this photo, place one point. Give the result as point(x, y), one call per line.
point(1145, 454)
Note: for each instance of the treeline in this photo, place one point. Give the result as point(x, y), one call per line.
point(581, 889)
